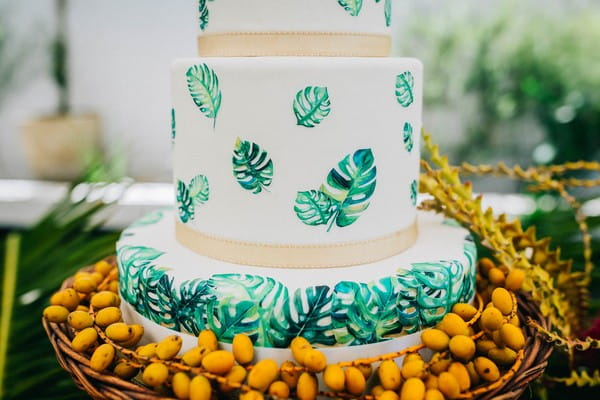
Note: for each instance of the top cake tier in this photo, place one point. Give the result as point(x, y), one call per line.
point(306, 27)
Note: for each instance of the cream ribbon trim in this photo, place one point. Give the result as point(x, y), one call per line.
point(296, 256)
point(329, 44)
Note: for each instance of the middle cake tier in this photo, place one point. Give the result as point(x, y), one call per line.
point(288, 153)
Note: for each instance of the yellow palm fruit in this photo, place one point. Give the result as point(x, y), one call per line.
point(390, 375)
point(237, 375)
point(448, 385)
point(102, 357)
point(484, 346)
point(113, 286)
point(461, 374)
point(56, 299)
point(299, 347)
point(388, 395)
point(169, 347)
point(200, 388)
point(103, 267)
point(289, 374)
point(512, 336)
point(485, 265)
point(107, 316)
point(125, 371)
point(314, 360)
point(434, 394)
point(514, 279)
point(453, 325)
point(355, 381)
point(119, 332)
point(148, 351)
point(155, 374)
point(56, 314)
point(440, 365)
point(365, 369)
point(208, 340)
point(491, 319)
point(252, 395)
point(431, 382)
point(104, 299)
point(308, 387)
point(181, 385)
point(486, 369)
point(263, 374)
point(218, 362)
point(80, 320)
point(70, 299)
point(411, 357)
point(377, 390)
point(279, 389)
point(464, 310)
point(243, 349)
point(194, 356)
point(496, 277)
point(413, 369)
point(412, 389)
point(514, 320)
point(472, 373)
point(435, 339)
point(334, 378)
point(97, 277)
point(84, 340)
point(138, 332)
point(503, 356)
point(502, 300)
point(462, 347)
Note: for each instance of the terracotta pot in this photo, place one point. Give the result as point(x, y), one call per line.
point(58, 147)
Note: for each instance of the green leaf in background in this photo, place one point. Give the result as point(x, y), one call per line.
point(405, 84)
point(311, 106)
point(352, 6)
point(203, 12)
point(314, 207)
point(387, 9)
point(407, 136)
point(203, 85)
point(252, 167)
point(199, 190)
point(185, 203)
point(173, 126)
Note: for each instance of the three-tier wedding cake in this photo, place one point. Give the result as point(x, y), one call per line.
point(296, 142)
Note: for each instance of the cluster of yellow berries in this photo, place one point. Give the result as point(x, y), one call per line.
point(473, 348)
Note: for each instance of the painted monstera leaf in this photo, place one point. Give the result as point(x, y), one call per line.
point(306, 314)
point(185, 203)
point(314, 207)
point(352, 6)
point(203, 10)
point(252, 167)
point(407, 136)
point(191, 304)
point(173, 126)
point(387, 10)
point(405, 86)
point(132, 260)
point(311, 106)
point(199, 190)
point(414, 187)
point(157, 297)
point(203, 85)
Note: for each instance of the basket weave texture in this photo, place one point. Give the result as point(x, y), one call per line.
point(107, 386)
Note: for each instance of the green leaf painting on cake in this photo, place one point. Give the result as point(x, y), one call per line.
point(414, 188)
point(132, 260)
point(151, 218)
point(252, 167)
point(344, 196)
point(203, 13)
point(311, 106)
point(203, 85)
point(405, 85)
point(407, 136)
point(192, 196)
point(173, 126)
point(352, 6)
point(387, 10)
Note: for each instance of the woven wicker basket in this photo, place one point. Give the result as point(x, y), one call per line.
point(106, 386)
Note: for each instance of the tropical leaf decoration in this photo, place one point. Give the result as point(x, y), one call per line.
point(387, 9)
point(352, 6)
point(252, 167)
point(203, 85)
point(203, 11)
point(345, 195)
point(132, 260)
point(306, 314)
point(191, 196)
point(173, 126)
point(191, 305)
point(414, 186)
point(407, 136)
point(151, 218)
point(405, 85)
point(311, 106)
point(157, 296)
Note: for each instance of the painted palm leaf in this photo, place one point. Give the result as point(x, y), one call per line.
point(351, 186)
point(414, 187)
point(306, 314)
point(352, 6)
point(132, 260)
point(191, 306)
point(203, 12)
point(157, 298)
point(252, 167)
point(311, 106)
point(203, 85)
point(407, 136)
point(387, 9)
point(173, 126)
point(185, 202)
point(405, 85)
point(199, 190)
point(314, 207)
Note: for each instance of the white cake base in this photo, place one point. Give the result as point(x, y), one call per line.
point(350, 312)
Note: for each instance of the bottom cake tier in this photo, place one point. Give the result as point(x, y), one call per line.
point(349, 312)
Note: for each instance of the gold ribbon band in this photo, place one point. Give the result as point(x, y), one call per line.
point(296, 256)
point(330, 44)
